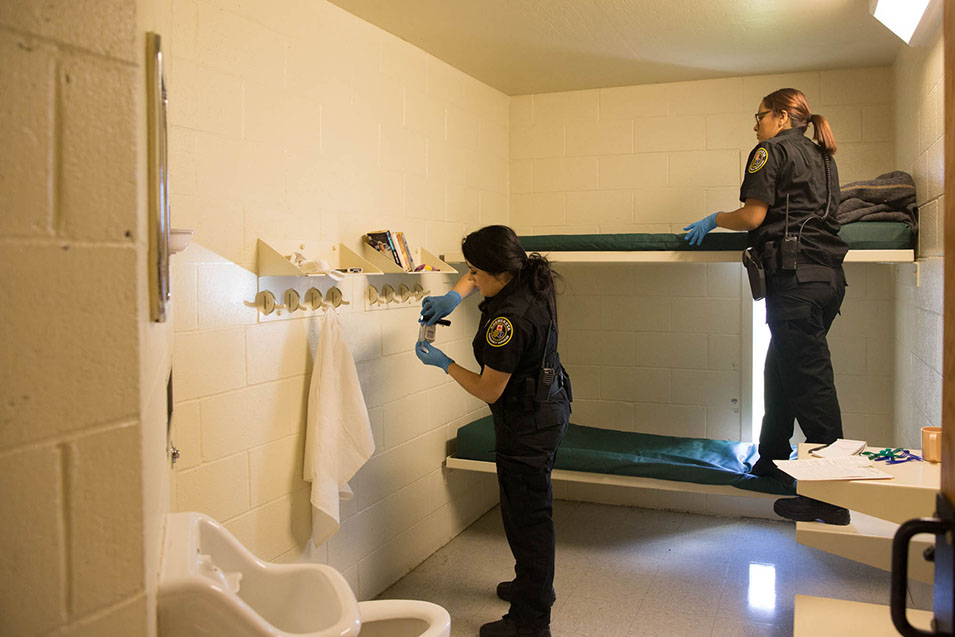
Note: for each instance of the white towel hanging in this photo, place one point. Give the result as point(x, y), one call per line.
point(338, 437)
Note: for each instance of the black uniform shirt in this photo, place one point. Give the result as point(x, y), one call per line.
point(512, 333)
point(792, 164)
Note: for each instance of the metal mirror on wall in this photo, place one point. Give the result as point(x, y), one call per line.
point(158, 180)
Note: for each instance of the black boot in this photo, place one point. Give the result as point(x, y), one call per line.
point(769, 470)
point(803, 509)
point(507, 627)
point(504, 590)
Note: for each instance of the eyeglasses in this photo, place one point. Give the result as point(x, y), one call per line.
point(761, 114)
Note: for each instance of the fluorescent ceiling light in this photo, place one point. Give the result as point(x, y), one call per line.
point(902, 17)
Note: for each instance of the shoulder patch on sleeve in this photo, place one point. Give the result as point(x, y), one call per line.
point(499, 331)
point(759, 159)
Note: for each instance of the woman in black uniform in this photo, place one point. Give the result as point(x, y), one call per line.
point(791, 193)
point(528, 392)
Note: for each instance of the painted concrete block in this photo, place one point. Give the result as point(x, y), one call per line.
point(33, 584)
point(26, 126)
point(106, 518)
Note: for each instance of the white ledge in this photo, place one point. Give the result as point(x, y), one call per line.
point(694, 256)
point(867, 540)
point(815, 616)
point(619, 481)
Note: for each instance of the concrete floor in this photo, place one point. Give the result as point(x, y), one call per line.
point(624, 571)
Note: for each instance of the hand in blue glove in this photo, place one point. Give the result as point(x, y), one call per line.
point(698, 229)
point(430, 355)
point(437, 307)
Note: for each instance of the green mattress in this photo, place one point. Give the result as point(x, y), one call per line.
point(625, 453)
point(861, 235)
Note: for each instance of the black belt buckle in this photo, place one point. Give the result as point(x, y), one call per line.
point(757, 275)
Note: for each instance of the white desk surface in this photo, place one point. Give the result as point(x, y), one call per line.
point(909, 494)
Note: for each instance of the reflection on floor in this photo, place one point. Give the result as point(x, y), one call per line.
point(628, 571)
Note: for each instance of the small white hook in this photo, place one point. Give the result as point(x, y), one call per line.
point(334, 297)
point(264, 302)
point(291, 299)
point(387, 293)
point(419, 292)
point(313, 299)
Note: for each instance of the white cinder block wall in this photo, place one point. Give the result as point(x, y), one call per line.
point(309, 124)
point(657, 348)
point(83, 436)
point(919, 123)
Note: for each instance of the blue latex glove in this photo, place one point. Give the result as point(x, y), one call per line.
point(437, 307)
point(430, 355)
point(698, 229)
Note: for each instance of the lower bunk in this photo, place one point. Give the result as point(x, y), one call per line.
point(628, 459)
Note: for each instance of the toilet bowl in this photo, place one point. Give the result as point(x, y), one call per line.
point(211, 585)
point(403, 618)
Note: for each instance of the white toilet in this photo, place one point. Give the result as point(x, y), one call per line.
point(211, 585)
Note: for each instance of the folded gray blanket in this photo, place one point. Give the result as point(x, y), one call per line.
point(888, 197)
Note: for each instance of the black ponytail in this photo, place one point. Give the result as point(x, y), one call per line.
point(541, 278)
point(496, 249)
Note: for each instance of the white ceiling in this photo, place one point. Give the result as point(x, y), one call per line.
point(542, 46)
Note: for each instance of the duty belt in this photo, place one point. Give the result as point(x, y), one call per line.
point(521, 392)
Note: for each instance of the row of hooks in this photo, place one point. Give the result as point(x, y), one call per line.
point(388, 294)
point(266, 303)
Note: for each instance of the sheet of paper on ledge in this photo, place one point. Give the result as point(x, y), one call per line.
point(847, 468)
point(840, 448)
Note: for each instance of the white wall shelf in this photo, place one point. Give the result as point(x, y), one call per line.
point(420, 256)
point(272, 258)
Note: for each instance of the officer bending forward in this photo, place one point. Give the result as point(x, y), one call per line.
point(529, 394)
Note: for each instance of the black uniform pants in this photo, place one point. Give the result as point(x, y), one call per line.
point(525, 448)
point(798, 378)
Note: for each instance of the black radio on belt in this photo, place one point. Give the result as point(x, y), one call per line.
point(789, 249)
point(545, 379)
point(547, 373)
point(788, 252)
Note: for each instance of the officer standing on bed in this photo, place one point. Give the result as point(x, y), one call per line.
point(529, 394)
point(791, 193)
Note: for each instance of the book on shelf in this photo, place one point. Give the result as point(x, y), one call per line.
point(406, 251)
point(400, 250)
point(392, 245)
point(381, 241)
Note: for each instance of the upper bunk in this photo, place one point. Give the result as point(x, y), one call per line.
point(869, 242)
